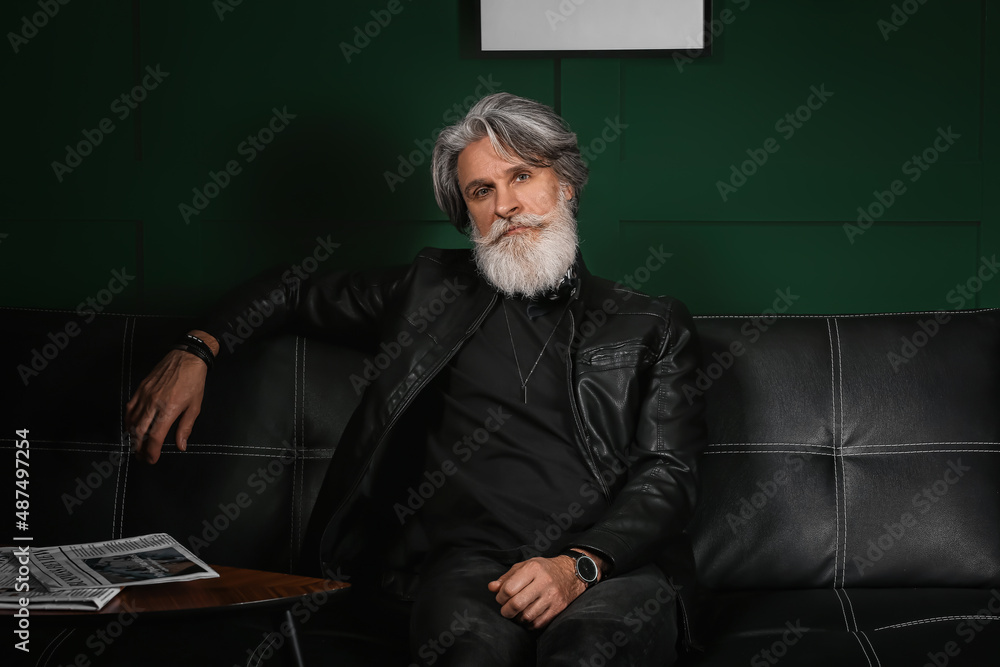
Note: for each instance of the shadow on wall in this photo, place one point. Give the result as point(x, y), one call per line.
point(332, 172)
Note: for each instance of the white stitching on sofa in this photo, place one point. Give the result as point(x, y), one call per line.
point(854, 619)
point(253, 660)
point(117, 445)
point(863, 651)
point(257, 456)
point(176, 453)
point(874, 652)
point(767, 444)
point(843, 469)
point(808, 444)
point(295, 448)
point(64, 633)
point(938, 619)
point(167, 451)
point(923, 444)
point(795, 317)
point(930, 451)
point(125, 439)
point(121, 428)
point(847, 625)
point(773, 451)
point(918, 451)
point(833, 438)
point(302, 441)
point(73, 312)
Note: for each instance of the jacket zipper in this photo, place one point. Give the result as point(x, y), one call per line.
point(409, 399)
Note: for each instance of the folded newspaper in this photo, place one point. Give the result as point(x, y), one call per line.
point(87, 576)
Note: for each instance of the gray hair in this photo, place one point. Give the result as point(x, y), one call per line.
point(519, 129)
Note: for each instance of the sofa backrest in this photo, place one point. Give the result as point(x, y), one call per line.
point(242, 493)
point(850, 451)
point(847, 450)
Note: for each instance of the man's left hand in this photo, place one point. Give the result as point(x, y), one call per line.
point(535, 591)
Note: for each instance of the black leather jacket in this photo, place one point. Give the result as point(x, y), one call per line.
point(631, 355)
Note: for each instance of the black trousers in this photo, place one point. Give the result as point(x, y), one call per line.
point(625, 620)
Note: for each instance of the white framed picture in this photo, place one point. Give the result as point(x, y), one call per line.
point(590, 27)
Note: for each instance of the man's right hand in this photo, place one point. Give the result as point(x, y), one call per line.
point(174, 388)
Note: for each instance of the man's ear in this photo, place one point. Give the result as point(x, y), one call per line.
point(568, 190)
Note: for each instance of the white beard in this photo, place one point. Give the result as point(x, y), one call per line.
point(528, 263)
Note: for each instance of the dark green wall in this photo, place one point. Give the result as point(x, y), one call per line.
point(683, 124)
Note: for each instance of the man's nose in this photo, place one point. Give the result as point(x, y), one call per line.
point(507, 203)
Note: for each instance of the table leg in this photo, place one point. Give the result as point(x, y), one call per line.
point(293, 639)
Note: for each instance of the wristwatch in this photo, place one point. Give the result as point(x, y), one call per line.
point(586, 568)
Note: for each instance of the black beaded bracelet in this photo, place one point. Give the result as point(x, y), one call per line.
point(198, 348)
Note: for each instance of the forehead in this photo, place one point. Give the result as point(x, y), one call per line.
point(480, 160)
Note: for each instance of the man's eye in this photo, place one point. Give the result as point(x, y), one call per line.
point(481, 192)
point(523, 177)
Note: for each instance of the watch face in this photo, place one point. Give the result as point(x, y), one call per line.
point(587, 568)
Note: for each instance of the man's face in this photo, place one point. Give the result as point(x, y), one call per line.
point(494, 188)
point(523, 229)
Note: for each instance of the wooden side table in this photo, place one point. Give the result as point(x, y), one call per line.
point(235, 589)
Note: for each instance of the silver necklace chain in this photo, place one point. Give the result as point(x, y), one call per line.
point(520, 376)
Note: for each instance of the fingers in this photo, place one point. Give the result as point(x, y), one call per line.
point(535, 591)
point(509, 583)
point(151, 432)
point(173, 389)
point(185, 425)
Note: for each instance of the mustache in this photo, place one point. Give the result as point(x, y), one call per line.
point(501, 226)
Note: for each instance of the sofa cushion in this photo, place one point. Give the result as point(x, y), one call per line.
point(851, 451)
point(833, 626)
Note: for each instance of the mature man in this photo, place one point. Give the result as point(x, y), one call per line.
point(548, 401)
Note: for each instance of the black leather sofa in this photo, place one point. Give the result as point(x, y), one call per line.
point(850, 504)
